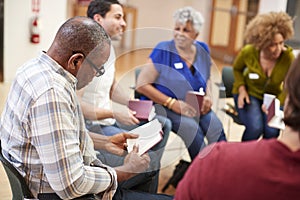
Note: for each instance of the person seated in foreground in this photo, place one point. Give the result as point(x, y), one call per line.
point(264, 169)
point(42, 128)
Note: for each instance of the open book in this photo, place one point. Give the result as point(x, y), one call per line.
point(275, 115)
point(195, 99)
point(144, 109)
point(149, 135)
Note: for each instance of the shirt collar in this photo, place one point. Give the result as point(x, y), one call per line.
point(58, 68)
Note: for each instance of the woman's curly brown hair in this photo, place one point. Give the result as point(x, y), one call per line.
point(261, 29)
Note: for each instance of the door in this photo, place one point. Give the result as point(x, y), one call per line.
point(228, 21)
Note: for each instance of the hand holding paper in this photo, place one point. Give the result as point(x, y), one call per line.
point(149, 135)
point(275, 115)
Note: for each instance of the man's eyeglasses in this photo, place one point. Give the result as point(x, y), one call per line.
point(99, 71)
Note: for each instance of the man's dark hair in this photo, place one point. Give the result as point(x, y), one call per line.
point(100, 7)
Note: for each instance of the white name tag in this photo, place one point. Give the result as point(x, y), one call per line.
point(178, 65)
point(253, 76)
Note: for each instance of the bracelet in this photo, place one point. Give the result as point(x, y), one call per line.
point(167, 101)
point(171, 103)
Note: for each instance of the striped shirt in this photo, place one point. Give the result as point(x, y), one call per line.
point(43, 134)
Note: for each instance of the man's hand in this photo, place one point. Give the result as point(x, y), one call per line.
point(133, 164)
point(126, 118)
point(117, 143)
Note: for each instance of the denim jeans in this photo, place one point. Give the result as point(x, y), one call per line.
point(255, 120)
point(156, 151)
point(145, 182)
point(193, 130)
point(123, 194)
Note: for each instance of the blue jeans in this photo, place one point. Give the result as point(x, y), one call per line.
point(255, 120)
point(156, 151)
point(148, 181)
point(193, 130)
point(136, 195)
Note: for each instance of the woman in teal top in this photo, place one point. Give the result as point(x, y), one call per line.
point(260, 68)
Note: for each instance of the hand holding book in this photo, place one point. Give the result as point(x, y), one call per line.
point(149, 135)
point(195, 99)
point(144, 109)
point(274, 114)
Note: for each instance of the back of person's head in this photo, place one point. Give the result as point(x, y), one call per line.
point(79, 34)
point(185, 14)
point(292, 104)
point(100, 7)
point(262, 28)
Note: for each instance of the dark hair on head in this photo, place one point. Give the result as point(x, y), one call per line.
point(292, 104)
point(100, 7)
point(80, 34)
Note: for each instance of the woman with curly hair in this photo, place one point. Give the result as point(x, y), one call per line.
point(260, 68)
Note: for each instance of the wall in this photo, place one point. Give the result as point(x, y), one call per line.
point(155, 23)
point(272, 5)
point(17, 16)
point(155, 19)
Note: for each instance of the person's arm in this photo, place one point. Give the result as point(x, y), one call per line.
point(239, 66)
point(115, 144)
point(118, 94)
point(147, 76)
point(207, 100)
point(90, 111)
point(133, 165)
point(60, 142)
point(125, 115)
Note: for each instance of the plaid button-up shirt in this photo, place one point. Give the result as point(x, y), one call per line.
point(43, 134)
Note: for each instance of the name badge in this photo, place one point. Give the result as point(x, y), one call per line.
point(253, 76)
point(178, 65)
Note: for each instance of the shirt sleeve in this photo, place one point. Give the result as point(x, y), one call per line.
point(60, 144)
point(238, 70)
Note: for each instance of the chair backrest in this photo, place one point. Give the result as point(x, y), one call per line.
point(18, 185)
point(227, 79)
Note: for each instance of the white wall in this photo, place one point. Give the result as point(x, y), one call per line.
point(272, 5)
point(155, 19)
point(17, 16)
point(155, 23)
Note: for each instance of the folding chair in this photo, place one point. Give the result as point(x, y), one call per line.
point(18, 185)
